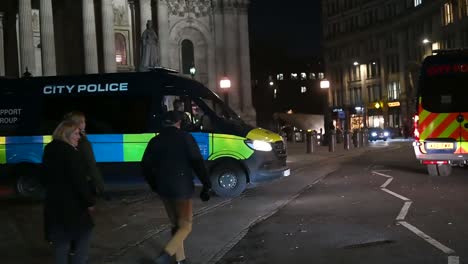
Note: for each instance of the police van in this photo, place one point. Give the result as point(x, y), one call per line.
point(441, 123)
point(123, 112)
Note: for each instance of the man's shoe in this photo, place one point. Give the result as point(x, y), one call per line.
point(164, 258)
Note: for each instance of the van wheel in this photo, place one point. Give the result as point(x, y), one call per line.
point(439, 169)
point(28, 184)
point(228, 180)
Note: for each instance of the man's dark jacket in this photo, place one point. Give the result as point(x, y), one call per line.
point(169, 162)
point(67, 193)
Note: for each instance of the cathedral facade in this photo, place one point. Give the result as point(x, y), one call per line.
point(69, 37)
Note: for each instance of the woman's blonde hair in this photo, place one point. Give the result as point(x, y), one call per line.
point(75, 116)
point(64, 130)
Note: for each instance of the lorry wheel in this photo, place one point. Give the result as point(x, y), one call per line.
point(228, 180)
point(439, 169)
point(28, 184)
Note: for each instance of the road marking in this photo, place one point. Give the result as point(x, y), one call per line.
point(395, 194)
point(386, 183)
point(426, 237)
point(453, 260)
point(381, 174)
point(402, 215)
point(404, 211)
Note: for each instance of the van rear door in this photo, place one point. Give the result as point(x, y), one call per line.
point(443, 109)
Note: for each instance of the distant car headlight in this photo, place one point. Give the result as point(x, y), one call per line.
point(386, 134)
point(374, 134)
point(259, 145)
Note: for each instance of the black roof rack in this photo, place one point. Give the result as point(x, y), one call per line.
point(162, 69)
point(449, 51)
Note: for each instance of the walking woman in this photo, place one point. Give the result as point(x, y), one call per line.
point(68, 201)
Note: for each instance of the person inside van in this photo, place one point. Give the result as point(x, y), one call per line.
point(201, 119)
point(178, 105)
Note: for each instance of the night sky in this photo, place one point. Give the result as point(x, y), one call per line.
point(283, 30)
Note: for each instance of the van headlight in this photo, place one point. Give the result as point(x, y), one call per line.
point(259, 145)
point(374, 134)
point(386, 134)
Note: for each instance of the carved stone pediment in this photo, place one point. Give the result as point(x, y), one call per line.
point(181, 8)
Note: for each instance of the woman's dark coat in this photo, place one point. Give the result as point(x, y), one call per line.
point(67, 193)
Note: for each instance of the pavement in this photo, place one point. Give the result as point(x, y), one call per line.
point(133, 227)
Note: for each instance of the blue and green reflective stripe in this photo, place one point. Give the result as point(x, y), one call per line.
point(2, 150)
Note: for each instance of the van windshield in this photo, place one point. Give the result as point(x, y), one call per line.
point(445, 93)
point(221, 110)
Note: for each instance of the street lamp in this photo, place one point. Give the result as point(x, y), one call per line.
point(225, 84)
point(193, 70)
point(325, 84)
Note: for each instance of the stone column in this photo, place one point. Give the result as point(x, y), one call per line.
point(231, 51)
point(108, 38)
point(26, 37)
point(145, 13)
point(135, 38)
point(2, 47)
point(163, 33)
point(219, 41)
point(89, 37)
point(49, 67)
point(245, 77)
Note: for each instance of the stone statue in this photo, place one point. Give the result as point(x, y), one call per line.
point(149, 48)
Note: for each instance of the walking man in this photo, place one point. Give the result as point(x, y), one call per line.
point(167, 164)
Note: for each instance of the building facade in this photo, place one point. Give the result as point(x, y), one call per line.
point(373, 50)
point(66, 37)
point(290, 88)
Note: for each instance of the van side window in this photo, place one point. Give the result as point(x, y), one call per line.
point(104, 114)
point(179, 103)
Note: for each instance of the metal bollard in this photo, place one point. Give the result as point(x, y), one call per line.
point(365, 138)
point(356, 140)
point(332, 141)
point(347, 140)
point(308, 141)
point(360, 139)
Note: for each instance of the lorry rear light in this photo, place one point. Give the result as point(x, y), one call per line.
point(432, 162)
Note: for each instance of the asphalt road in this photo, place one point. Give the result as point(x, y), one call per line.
point(332, 209)
point(380, 207)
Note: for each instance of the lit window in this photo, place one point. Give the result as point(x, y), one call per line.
point(448, 13)
point(293, 76)
point(303, 89)
point(417, 2)
point(321, 75)
point(312, 76)
point(303, 76)
point(120, 49)
point(275, 93)
point(279, 77)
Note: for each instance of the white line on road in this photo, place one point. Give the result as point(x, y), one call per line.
point(386, 183)
point(404, 211)
point(395, 194)
point(402, 215)
point(453, 259)
point(381, 174)
point(429, 239)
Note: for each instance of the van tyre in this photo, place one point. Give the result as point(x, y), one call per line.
point(228, 179)
point(439, 169)
point(28, 183)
